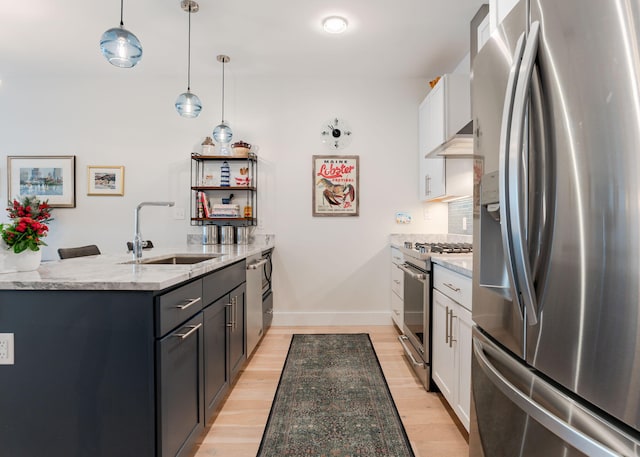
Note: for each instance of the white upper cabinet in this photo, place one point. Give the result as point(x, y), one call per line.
point(443, 112)
point(498, 10)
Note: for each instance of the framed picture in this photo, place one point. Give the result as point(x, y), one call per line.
point(51, 178)
point(105, 180)
point(336, 190)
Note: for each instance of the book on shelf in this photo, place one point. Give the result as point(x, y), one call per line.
point(203, 202)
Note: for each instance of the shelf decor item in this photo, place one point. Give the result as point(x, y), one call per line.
point(23, 236)
point(105, 180)
point(224, 174)
point(47, 177)
point(208, 146)
point(119, 46)
point(188, 104)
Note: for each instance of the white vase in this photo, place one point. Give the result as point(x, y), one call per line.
point(6, 261)
point(27, 260)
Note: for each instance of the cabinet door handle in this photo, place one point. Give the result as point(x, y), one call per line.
point(230, 323)
point(189, 302)
point(451, 338)
point(452, 287)
point(183, 336)
point(446, 326)
point(234, 312)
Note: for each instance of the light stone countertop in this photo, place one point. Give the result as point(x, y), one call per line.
point(460, 263)
point(112, 272)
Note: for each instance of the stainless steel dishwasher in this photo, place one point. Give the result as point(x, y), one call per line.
point(255, 265)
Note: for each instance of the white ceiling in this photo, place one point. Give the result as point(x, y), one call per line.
point(386, 38)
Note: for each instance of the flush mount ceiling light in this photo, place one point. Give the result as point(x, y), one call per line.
point(188, 104)
point(119, 46)
point(223, 133)
point(334, 24)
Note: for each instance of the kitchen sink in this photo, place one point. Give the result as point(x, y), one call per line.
point(177, 259)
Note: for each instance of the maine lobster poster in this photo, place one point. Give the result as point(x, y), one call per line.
point(335, 185)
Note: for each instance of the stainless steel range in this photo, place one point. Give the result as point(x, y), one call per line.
point(416, 338)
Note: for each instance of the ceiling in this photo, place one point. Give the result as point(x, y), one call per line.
point(386, 38)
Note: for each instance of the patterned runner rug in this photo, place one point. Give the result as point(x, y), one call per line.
point(333, 401)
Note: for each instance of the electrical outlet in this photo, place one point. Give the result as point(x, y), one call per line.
point(464, 223)
point(178, 212)
point(6, 348)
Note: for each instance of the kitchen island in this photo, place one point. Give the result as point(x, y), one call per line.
point(116, 272)
point(113, 358)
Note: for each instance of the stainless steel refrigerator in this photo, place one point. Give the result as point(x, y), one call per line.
point(556, 285)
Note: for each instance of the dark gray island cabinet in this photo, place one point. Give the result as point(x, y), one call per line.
point(109, 373)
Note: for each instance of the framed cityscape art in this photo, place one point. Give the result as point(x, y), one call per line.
point(105, 180)
point(336, 185)
point(51, 178)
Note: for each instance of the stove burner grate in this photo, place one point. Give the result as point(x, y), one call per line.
point(444, 248)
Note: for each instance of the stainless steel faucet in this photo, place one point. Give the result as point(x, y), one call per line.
point(137, 237)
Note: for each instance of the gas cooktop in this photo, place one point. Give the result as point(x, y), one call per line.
point(443, 248)
point(419, 254)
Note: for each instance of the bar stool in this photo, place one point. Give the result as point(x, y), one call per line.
point(81, 251)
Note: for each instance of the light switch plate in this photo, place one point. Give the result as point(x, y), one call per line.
point(6, 349)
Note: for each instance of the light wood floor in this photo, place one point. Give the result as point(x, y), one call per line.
point(238, 428)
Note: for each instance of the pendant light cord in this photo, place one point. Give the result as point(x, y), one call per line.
point(121, 9)
point(223, 90)
point(189, 56)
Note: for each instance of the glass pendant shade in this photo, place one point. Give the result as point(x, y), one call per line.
point(121, 47)
point(223, 133)
point(188, 105)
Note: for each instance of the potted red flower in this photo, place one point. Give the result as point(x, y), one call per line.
point(28, 227)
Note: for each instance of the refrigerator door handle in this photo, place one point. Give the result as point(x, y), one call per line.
point(505, 132)
point(516, 190)
point(554, 424)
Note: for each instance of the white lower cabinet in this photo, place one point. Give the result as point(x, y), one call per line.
point(397, 288)
point(451, 343)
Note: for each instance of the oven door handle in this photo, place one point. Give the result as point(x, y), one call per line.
point(413, 274)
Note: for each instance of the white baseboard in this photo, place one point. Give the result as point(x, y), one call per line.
point(331, 318)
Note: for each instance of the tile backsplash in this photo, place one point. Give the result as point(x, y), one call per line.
point(461, 216)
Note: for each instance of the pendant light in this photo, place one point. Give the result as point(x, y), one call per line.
point(188, 104)
point(119, 46)
point(223, 133)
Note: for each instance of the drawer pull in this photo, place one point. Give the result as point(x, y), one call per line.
point(397, 281)
point(256, 265)
point(408, 353)
point(452, 287)
point(186, 335)
point(189, 302)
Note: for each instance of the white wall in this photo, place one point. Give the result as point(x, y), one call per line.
point(329, 269)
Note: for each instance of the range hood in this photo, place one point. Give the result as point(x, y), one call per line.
point(459, 145)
